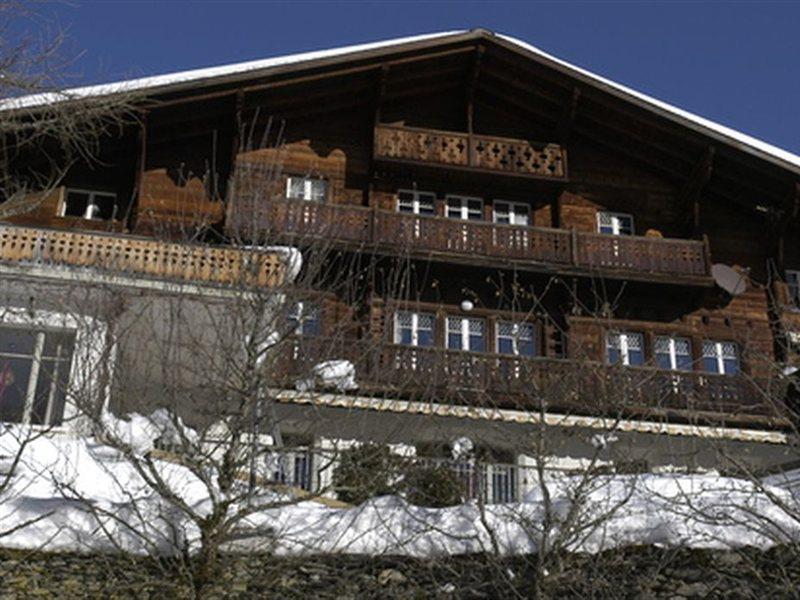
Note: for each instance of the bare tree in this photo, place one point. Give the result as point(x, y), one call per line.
point(46, 128)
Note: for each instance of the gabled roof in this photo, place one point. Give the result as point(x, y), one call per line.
point(197, 78)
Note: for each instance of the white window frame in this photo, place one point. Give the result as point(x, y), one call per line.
point(463, 209)
point(512, 212)
point(515, 337)
point(88, 354)
point(624, 345)
point(793, 283)
point(463, 331)
point(673, 354)
point(719, 355)
point(415, 203)
point(89, 203)
point(308, 188)
point(300, 312)
point(415, 328)
point(616, 218)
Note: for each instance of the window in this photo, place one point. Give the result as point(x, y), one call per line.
point(304, 319)
point(419, 203)
point(460, 207)
point(720, 357)
point(614, 223)
point(306, 188)
point(625, 348)
point(34, 374)
point(793, 280)
point(88, 204)
point(466, 333)
point(413, 329)
point(515, 338)
point(674, 353)
point(511, 213)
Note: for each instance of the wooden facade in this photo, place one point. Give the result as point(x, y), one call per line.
point(508, 168)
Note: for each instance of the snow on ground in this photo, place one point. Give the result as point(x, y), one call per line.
point(73, 493)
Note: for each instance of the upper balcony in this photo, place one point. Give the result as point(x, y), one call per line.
point(129, 256)
point(492, 244)
point(470, 151)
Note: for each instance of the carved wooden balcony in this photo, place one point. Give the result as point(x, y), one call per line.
point(483, 242)
point(465, 151)
point(511, 382)
point(138, 257)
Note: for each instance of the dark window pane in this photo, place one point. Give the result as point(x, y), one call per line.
point(51, 390)
point(17, 341)
point(663, 361)
point(476, 343)
point(684, 362)
point(14, 376)
point(76, 204)
point(710, 364)
point(505, 346)
point(454, 341)
point(635, 357)
point(405, 336)
point(425, 337)
point(105, 206)
point(58, 344)
point(527, 348)
point(731, 366)
point(613, 356)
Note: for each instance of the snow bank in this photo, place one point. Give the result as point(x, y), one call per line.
point(73, 493)
point(338, 374)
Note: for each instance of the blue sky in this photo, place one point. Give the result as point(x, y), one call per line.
point(736, 63)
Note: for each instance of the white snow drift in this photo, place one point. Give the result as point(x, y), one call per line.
point(73, 493)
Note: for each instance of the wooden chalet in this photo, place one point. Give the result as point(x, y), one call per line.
point(478, 161)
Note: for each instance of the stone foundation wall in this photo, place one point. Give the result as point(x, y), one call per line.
point(629, 573)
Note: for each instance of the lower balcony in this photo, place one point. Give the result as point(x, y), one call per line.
point(129, 256)
point(531, 384)
point(492, 244)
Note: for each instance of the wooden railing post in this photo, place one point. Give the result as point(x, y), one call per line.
point(707, 254)
point(574, 245)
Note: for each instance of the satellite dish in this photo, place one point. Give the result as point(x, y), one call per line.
point(729, 279)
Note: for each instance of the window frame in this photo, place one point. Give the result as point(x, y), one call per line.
point(615, 222)
point(673, 354)
point(720, 357)
point(624, 347)
point(92, 193)
point(415, 328)
point(512, 213)
point(89, 353)
point(37, 358)
point(299, 317)
point(464, 332)
point(415, 204)
point(515, 338)
point(308, 186)
point(463, 208)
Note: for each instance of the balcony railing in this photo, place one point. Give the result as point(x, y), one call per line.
point(505, 381)
point(139, 257)
point(462, 150)
point(558, 248)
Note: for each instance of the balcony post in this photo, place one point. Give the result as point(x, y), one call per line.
point(706, 255)
point(574, 245)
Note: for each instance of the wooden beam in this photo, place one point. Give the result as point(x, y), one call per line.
point(380, 93)
point(314, 77)
point(471, 84)
point(691, 194)
point(568, 116)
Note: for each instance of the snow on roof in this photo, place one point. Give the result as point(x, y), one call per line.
point(158, 82)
